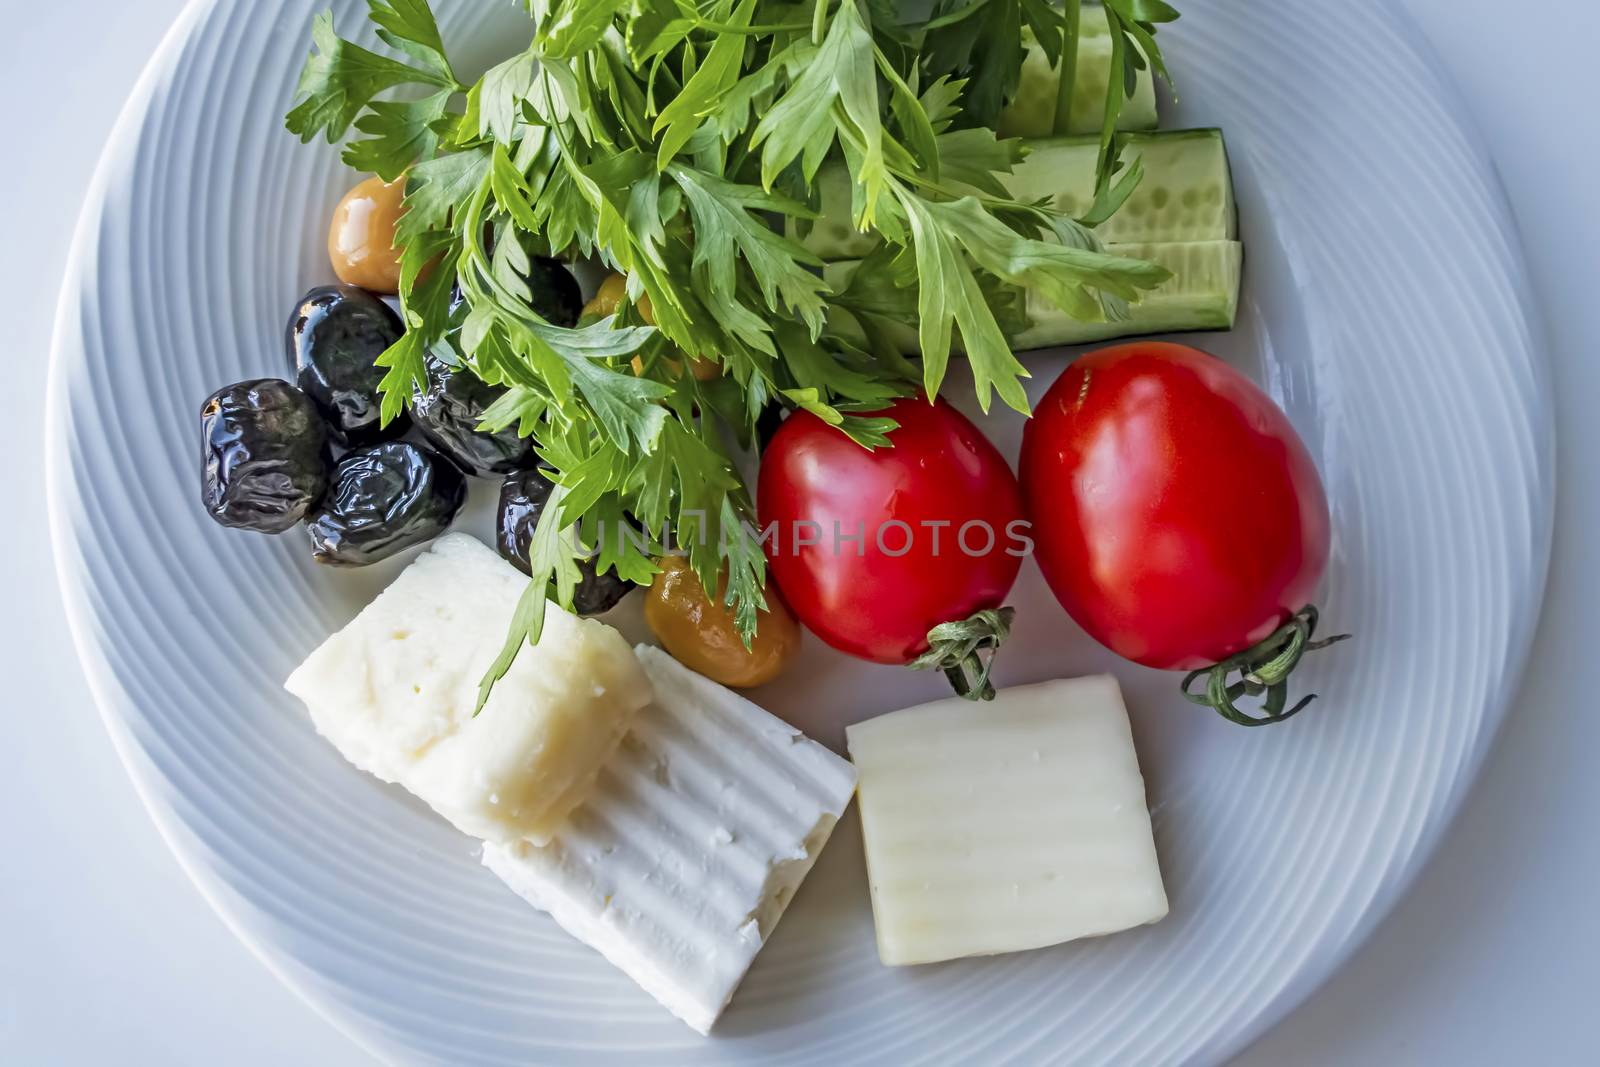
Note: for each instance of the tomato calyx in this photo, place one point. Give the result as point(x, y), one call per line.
point(1263, 671)
point(957, 648)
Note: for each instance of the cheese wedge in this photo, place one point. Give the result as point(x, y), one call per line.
point(1007, 825)
point(701, 829)
point(395, 692)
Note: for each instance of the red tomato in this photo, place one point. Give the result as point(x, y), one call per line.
point(1178, 517)
point(938, 517)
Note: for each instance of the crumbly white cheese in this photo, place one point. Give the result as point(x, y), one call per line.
point(395, 692)
point(1008, 825)
point(700, 831)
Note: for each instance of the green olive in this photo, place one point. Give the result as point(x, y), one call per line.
point(701, 634)
point(361, 236)
point(608, 300)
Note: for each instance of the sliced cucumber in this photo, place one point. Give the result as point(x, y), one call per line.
point(1203, 294)
point(1186, 193)
point(1034, 110)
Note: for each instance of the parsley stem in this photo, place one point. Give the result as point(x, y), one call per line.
point(1067, 82)
point(819, 21)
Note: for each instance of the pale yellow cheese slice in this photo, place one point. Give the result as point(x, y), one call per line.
point(1005, 825)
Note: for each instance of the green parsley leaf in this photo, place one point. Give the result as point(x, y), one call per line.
point(406, 371)
point(974, 157)
point(983, 42)
point(655, 32)
point(1132, 24)
point(680, 119)
point(624, 404)
point(819, 372)
point(400, 133)
point(577, 25)
point(1110, 197)
point(746, 572)
point(949, 296)
point(511, 191)
point(621, 546)
point(941, 100)
point(409, 26)
point(434, 189)
point(341, 78)
point(723, 222)
point(550, 560)
point(1060, 273)
point(501, 93)
point(518, 406)
point(803, 122)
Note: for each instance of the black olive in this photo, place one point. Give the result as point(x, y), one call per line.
point(556, 296)
point(383, 499)
point(264, 457)
point(522, 500)
point(555, 292)
point(448, 412)
point(597, 593)
point(335, 336)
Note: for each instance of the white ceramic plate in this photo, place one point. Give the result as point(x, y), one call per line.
point(1385, 307)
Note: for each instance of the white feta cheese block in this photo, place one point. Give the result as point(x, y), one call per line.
point(395, 692)
point(691, 847)
point(1006, 825)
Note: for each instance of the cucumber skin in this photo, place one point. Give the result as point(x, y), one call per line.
point(1176, 307)
point(1033, 111)
point(1062, 169)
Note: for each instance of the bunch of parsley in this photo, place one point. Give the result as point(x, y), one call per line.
point(677, 141)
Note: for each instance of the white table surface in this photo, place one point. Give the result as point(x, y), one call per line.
point(108, 954)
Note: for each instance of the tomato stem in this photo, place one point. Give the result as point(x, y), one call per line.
point(1263, 671)
point(956, 648)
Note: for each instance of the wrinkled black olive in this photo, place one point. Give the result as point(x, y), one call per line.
point(383, 499)
point(554, 291)
point(335, 336)
point(522, 500)
point(448, 412)
point(264, 457)
point(596, 593)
